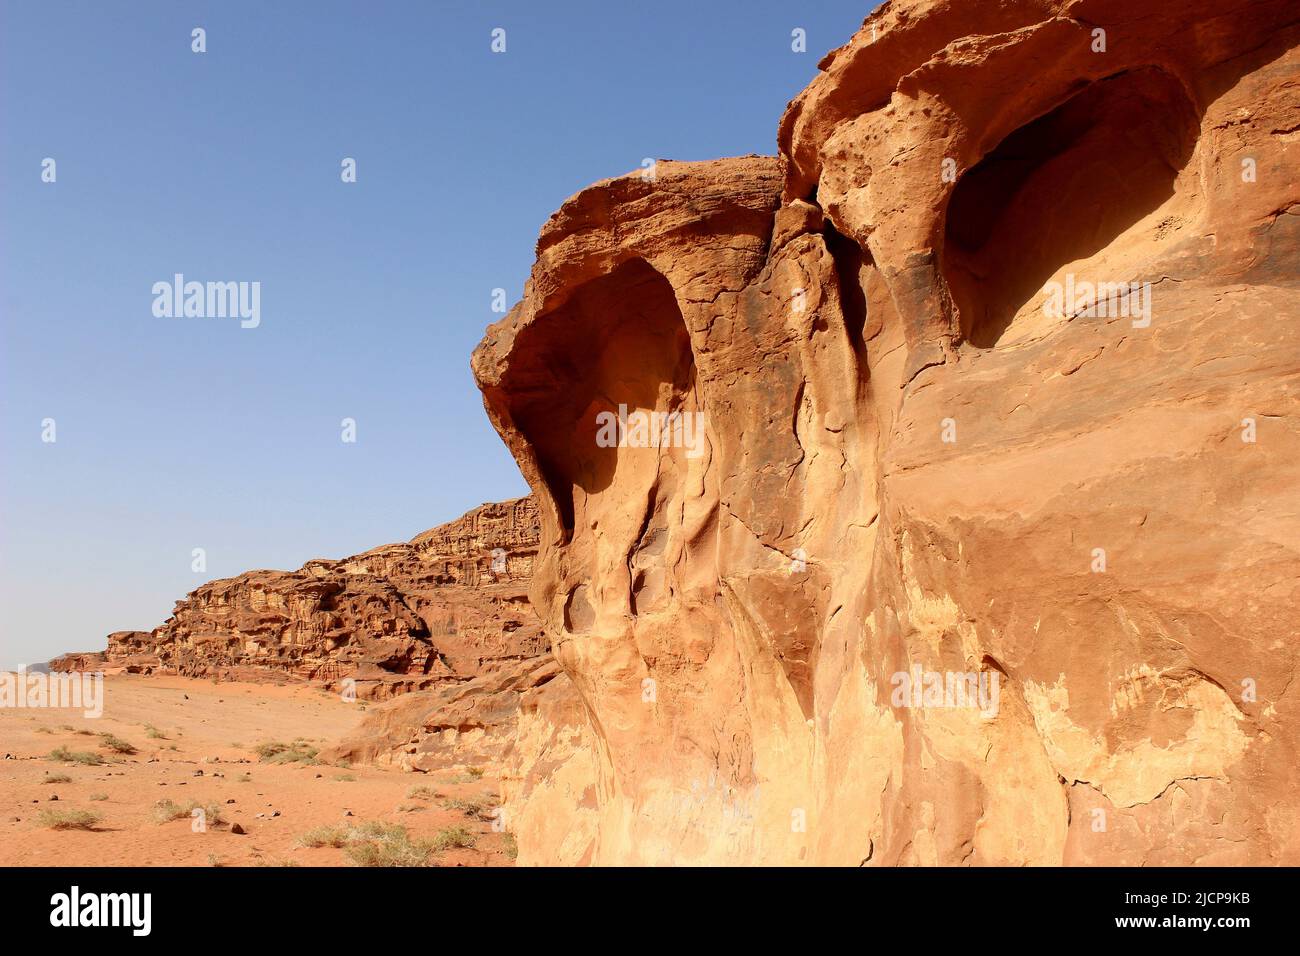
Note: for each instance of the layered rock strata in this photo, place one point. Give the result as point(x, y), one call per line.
point(443, 607)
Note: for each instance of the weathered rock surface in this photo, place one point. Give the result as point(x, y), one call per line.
point(908, 462)
point(466, 723)
point(440, 608)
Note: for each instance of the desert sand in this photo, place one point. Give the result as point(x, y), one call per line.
point(195, 740)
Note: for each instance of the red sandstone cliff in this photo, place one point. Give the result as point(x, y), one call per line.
point(926, 450)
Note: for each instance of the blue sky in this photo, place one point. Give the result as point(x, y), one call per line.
point(174, 433)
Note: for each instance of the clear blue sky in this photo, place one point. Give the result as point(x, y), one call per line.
point(178, 433)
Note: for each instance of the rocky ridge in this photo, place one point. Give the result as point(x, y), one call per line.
point(445, 607)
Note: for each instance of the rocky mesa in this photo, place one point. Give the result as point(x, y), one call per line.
point(926, 494)
point(445, 607)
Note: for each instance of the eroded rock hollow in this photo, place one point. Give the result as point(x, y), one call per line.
point(996, 369)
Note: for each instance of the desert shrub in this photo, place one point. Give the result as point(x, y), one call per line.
point(277, 752)
point(99, 796)
point(153, 733)
point(345, 778)
point(511, 845)
point(377, 830)
point(422, 793)
point(449, 837)
point(68, 819)
point(373, 843)
point(324, 836)
point(57, 778)
point(116, 744)
point(85, 757)
point(393, 847)
point(165, 811)
point(471, 808)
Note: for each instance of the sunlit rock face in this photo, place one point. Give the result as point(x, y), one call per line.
point(985, 549)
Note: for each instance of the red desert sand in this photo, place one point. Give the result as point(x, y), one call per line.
point(196, 742)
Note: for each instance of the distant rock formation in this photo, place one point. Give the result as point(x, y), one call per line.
point(989, 552)
point(440, 608)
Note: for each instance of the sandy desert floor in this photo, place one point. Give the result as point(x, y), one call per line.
point(195, 742)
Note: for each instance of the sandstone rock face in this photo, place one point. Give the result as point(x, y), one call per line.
point(80, 661)
point(455, 724)
point(968, 563)
point(442, 607)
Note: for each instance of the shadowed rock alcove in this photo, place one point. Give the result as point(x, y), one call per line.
point(619, 340)
point(1062, 188)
